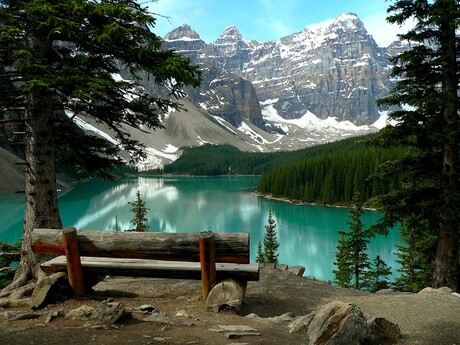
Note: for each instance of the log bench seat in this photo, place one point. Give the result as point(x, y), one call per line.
point(219, 260)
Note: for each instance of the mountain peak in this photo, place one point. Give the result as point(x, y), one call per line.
point(231, 33)
point(183, 32)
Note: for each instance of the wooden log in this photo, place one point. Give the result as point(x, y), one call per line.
point(153, 268)
point(227, 294)
point(207, 261)
point(72, 253)
point(230, 247)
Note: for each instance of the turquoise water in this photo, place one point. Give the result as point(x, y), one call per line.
point(307, 234)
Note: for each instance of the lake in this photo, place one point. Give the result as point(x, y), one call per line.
point(307, 234)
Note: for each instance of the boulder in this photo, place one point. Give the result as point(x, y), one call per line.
point(380, 329)
point(337, 323)
point(297, 270)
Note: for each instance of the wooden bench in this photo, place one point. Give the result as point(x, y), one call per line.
point(220, 260)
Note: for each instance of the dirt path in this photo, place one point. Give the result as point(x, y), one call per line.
point(426, 318)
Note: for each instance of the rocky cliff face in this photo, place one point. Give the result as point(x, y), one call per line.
point(333, 70)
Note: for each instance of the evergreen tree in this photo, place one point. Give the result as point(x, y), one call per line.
point(139, 211)
point(427, 115)
point(270, 241)
point(416, 257)
point(378, 276)
point(63, 59)
point(260, 253)
point(343, 274)
point(354, 246)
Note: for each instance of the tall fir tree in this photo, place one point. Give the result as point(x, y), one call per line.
point(415, 256)
point(427, 122)
point(139, 211)
point(260, 253)
point(271, 243)
point(63, 59)
point(357, 239)
point(343, 273)
point(378, 275)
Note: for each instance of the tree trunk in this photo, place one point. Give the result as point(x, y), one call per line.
point(41, 209)
point(446, 272)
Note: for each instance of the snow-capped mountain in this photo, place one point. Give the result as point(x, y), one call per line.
point(312, 87)
point(331, 70)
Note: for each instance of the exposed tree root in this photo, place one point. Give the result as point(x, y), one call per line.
point(20, 280)
point(14, 303)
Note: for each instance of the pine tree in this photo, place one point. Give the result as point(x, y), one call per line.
point(343, 274)
point(139, 211)
point(427, 107)
point(260, 254)
point(358, 241)
point(378, 276)
point(63, 59)
point(416, 258)
point(270, 241)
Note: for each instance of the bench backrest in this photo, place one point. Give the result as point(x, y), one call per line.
point(229, 247)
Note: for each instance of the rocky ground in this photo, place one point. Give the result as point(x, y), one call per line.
point(432, 317)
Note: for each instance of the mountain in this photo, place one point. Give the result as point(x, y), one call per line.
point(311, 87)
point(334, 70)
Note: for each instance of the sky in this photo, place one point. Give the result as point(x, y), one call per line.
point(265, 20)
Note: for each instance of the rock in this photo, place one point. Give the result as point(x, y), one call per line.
point(82, 313)
point(297, 270)
point(50, 289)
point(382, 329)
point(158, 317)
point(455, 294)
point(147, 308)
point(234, 331)
point(337, 323)
point(286, 317)
point(25, 316)
point(427, 290)
point(9, 315)
point(106, 314)
point(252, 316)
point(444, 289)
point(385, 291)
point(300, 323)
point(54, 315)
point(182, 313)
point(282, 267)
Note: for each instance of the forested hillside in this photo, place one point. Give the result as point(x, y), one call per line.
point(331, 177)
point(325, 174)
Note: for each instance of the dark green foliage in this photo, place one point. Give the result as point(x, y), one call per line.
point(65, 54)
point(270, 241)
point(139, 211)
point(331, 177)
point(343, 274)
point(416, 257)
point(352, 249)
point(260, 254)
point(378, 276)
point(322, 174)
point(13, 253)
point(426, 108)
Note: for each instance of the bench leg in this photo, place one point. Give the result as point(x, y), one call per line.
point(227, 294)
point(72, 253)
point(208, 262)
